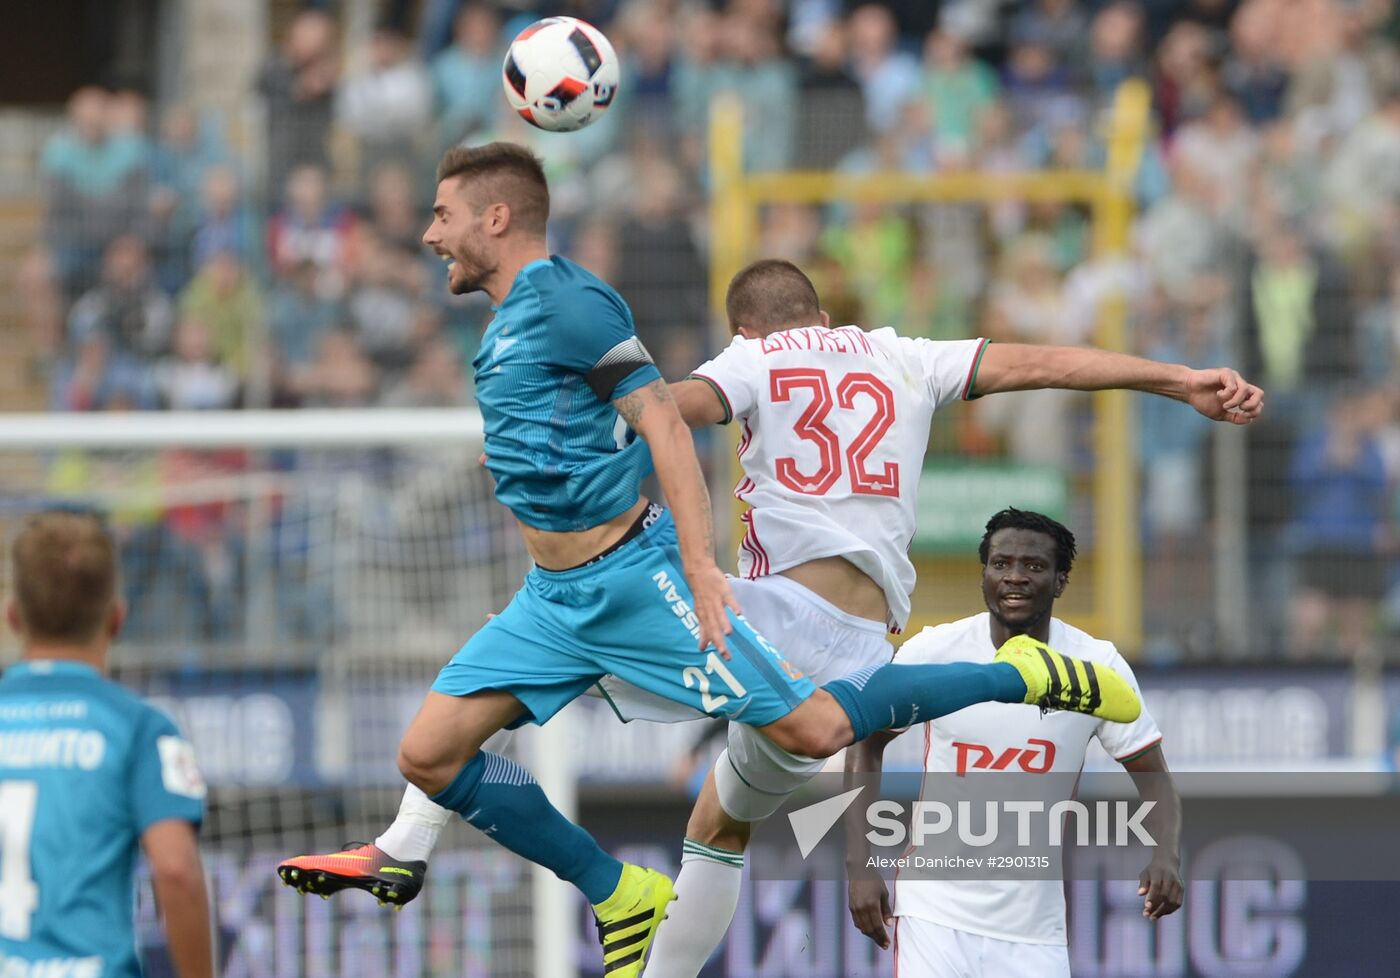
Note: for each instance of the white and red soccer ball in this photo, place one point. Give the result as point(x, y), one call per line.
point(560, 74)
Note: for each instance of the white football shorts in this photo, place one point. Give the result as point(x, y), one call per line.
point(923, 949)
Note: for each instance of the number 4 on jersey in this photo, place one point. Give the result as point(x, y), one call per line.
point(811, 426)
point(19, 894)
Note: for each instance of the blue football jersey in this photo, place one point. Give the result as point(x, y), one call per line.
point(85, 768)
point(562, 346)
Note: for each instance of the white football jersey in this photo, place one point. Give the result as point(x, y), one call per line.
point(835, 426)
point(983, 737)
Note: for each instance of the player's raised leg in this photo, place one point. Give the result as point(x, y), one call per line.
point(895, 696)
point(516, 669)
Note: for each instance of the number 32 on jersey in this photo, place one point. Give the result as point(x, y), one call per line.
point(811, 426)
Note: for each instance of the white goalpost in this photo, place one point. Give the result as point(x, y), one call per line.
point(296, 579)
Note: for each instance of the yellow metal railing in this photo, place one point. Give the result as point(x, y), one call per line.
point(736, 197)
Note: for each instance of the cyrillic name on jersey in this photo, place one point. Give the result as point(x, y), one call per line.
point(12, 967)
point(829, 340)
point(65, 747)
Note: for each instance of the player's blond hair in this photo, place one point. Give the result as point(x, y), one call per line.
point(502, 173)
point(64, 566)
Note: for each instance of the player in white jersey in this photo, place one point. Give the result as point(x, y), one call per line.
point(948, 928)
point(835, 424)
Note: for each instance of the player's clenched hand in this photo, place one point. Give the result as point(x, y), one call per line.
point(1161, 889)
point(869, 900)
point(1221, 394)
point(710, 588)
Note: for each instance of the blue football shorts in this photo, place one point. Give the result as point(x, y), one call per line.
point(628, 614)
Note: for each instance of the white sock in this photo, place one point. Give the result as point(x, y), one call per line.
point(416, 828)
point(707, 894)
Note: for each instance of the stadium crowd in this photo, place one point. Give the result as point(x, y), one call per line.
point(188, 266)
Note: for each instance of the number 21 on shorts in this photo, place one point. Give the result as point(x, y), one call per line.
point(695, 678)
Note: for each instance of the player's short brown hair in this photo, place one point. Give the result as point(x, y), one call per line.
point(769, 295)
point(65, 576)
point(502, 173)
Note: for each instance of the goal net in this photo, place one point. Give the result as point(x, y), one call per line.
point(295, 582)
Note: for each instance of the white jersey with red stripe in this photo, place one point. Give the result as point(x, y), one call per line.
point(1001, 736)
point(835, 426)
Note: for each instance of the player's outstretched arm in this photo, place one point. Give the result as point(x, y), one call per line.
point(177, 876)
point(1219, 393)
point(651, 413)
point(1161, 887)
point(698, 403)
point(868, 897)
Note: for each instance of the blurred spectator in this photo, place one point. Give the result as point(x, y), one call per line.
point(1362, 182)
point(1186, 80)
point(298, 87)
point(888, 77)
point(1171, 448)
point(228, 303)
point(192, 378)
point(957, 87)
point(387, 105)
point(1059, 26)
point(1254, 70)
point(380, 306)
point(1340, 530)
point(875, 249)
point(40, 307)
point(466, 76)
point(1037, 87)
point(1222, 149)
point(1027, 305)
point(648, 54)
point(126, 307)
point(767, 84)
point(1380, 332)
point(831, 119)
point(1180, 238)
point(1298, 334)
point(660, 272)
point(1115, 48)
point(224, 222)
point(93, 185)
point(1289, 184)
point(434, 380)
point(96, 377)
point(394, 213)
point(182, 156)
point(298, 315)
point(127, 122)
point(595, 248)
point(179, 163)
point(310, 228)
point(698, 70)
point(1331, 95)
point(339, 376)
point(791, 232)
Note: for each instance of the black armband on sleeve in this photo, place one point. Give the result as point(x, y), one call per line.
point(616, 365)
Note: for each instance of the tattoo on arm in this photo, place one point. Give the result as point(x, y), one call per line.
point(631, 406)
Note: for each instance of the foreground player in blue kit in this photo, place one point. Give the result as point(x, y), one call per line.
point(87, 772)
point(568, 397)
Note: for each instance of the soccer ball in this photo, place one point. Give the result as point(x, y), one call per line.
point(560, 74)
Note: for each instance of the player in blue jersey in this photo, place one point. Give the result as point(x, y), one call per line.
point(88, 772)
point(575, 415)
